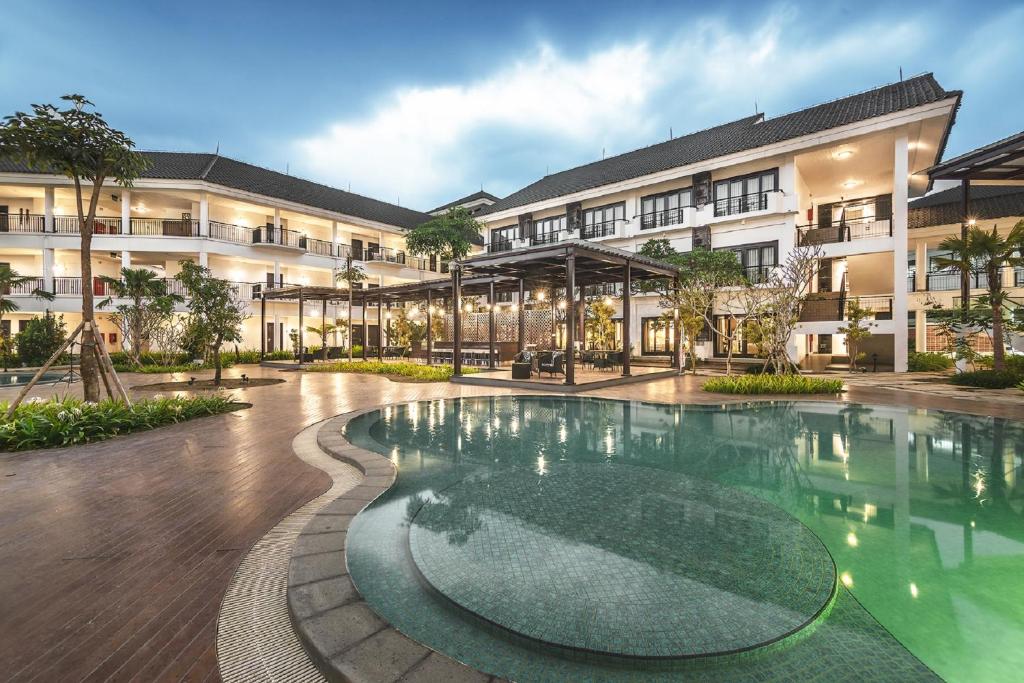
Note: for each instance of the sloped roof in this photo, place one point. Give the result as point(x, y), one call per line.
point(239, 175)
point(987, 202)
point(466, 200)
point(744, 134)
point(999, 160)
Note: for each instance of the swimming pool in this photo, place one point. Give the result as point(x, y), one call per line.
point(563, 537)
point(17, 379)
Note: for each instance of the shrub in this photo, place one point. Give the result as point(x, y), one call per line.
point(246, 356)
point(773, 384)
point(69, 421)
point(278, 355)
point(414, 371)
point(928, 362)
point(120, 358)
point(987, 379)
point(181, 367)
point(40, 338)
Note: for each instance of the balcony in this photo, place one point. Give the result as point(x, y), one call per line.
point(831, 307)
point(949, 281)
point(662, 219)
point(549, 237)
point(748, 203)
point(844, 231)
point(273, 236)
point(25, 288)
point(597, 230)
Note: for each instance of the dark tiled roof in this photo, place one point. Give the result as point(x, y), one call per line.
point(465, 200)
point(737, 136)
point(238, 175)
point(987, 202)
point(999, 158)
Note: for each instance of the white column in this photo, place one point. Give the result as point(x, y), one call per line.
point(277, 220)
point(48, 269)
point(48, 210)
point(921, 258)
point(204, 215)
point(126, 212)
point(126, 259)
point(277, 273)
point(921, 330)
point(900, 182)
point(204, 259)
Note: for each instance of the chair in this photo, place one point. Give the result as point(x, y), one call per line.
point(602, 361)
point(522, 365)
point(553, 364)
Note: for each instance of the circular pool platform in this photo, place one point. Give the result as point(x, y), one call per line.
point(622, 560)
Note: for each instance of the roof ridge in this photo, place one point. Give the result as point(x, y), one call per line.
point(209, 166)
point(860, 93)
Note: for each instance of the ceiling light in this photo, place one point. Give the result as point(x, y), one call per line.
point(843, 154)
point(849, 184)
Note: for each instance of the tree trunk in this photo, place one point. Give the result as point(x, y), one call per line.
point(216, 363)
point(998, 352)
point(89, 367)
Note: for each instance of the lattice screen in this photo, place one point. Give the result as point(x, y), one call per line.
point(474, 327)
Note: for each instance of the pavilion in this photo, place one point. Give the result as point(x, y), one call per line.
point(571, 265)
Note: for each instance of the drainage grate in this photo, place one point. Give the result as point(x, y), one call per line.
point(255, 641)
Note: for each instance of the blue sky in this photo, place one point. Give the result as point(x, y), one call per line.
point(424, 102)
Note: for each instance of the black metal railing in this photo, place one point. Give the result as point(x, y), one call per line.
point(320, 247)
point(832, 306)
point(25, 288)
point(746, 203)
point(546, 237)
point(230, 232)
point(660, 219)
point(949, 280)
point(911, 282)
point(163, 227)
point(499, 245)
point(845, 231)
point(22, 222)
point(282, 237)
point(595, 230)
point(757, 274)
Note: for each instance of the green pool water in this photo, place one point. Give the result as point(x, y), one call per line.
point(561, 538)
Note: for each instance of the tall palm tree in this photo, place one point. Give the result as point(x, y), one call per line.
point(987, 252)
point(142, 287)
point(9, 280)
point(322, 332)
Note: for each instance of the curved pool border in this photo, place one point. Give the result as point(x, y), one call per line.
point(345, 637)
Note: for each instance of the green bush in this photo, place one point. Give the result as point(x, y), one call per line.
point(414, 371)
point(987, 379)
point(121, 358)
point(928, 362)
point(40, 339)
point(279, 355)
point(69, 421)
point(773, 384)
point(183, 367)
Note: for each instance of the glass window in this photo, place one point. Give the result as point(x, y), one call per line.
point(748, 193)
point(601, 221)
point(664, 209)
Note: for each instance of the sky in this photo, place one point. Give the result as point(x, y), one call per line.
point(420, 103)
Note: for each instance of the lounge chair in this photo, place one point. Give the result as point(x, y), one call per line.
point(552, 364)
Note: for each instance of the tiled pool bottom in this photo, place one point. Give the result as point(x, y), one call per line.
point(852, 474)
point(646, 563)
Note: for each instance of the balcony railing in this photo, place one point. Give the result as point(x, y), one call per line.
point(499, 245)
point(230, 232)
point(165, 227)
point(746, 203)
point(595, 230)
point(845, 231)
point(548, 237)
point(282, 237)
point(1018, 277)
point(757, 274)
point(319, 247)
point(20, 222)
point(832, 306)
point(948, 280)
point(659, 219)
point(25, 288)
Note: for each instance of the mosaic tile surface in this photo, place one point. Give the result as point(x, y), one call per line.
point(622, 560)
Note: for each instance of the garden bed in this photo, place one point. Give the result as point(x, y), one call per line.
point(773, 384)
point(396, 372)
point(71, 421)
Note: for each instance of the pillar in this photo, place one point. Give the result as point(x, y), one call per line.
point(965, 278)
point(48, 256)
point(456, 272)
point(380, 329)
point(522, 316)
point(921, 330)
point(126, 259)
point(677, 338)
point(302, 312)
point(570, 321)
point(48, 209)
point(491, 330)
point(627, 314)
point(277, 273)
point(334, 238)
point(430, 327)
point(204, 259)
point(921, 259)
point(204, 215)
point(323, 325)
point(366, 331)
point(348, 318)
point(900, 180)
point(126, 212)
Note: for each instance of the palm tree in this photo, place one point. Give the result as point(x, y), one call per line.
point(143, 288)
point(987, 252)
point(322, 331)
point(350, 274)
point(9, 280)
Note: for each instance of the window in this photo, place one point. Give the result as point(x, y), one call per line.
point(745, 193)
point(601, 221)
point(501, 238)
point(548, 230)
point(757, 259)
point(664, 209)
point(656, 336)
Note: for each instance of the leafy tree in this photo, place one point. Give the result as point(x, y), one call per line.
point(9, 279)
point(449, 237)
point(215, 314)
point(856, 329)
point(987, 252)
point(150, 307)
point(350, 275)
point(40, 339)
point(600, 323)
point(406, 330)
point(77, 143)
point(703, 273)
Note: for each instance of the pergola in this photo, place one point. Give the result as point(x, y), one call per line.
point(1000, 163)
point(569, 264)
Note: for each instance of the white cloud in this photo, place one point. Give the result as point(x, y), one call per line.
point(416, 143)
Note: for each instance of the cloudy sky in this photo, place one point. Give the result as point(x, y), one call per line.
point(422, 102)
